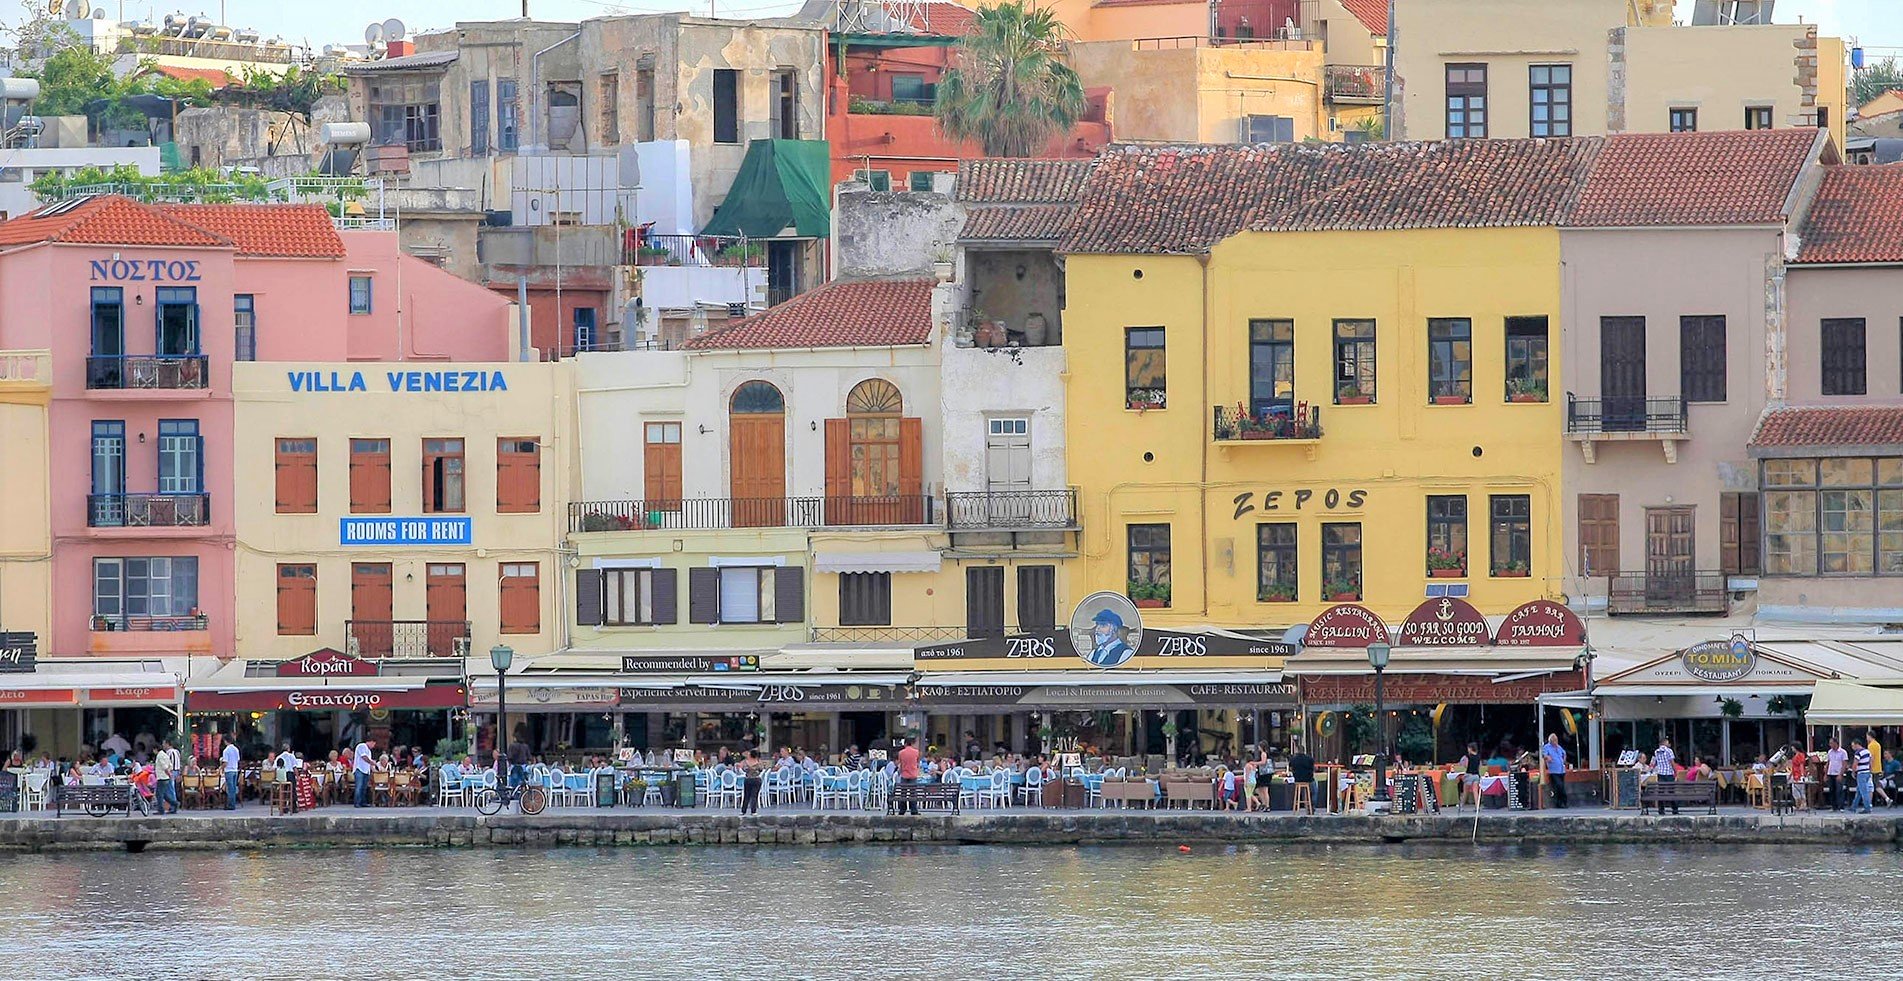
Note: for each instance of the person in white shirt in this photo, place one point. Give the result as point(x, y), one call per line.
point(287, 761)
point(363, 760)
point(230, 757)
point(165, 778)
point(117, 744)
point(1835, 762)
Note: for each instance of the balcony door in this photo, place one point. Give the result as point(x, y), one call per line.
point(1008, 468)
point(371, 608)
point(1670, 559)
point(108, 474)
point(756, 441)
point(446, 598)
point(1622, 373)
point(1271, 368)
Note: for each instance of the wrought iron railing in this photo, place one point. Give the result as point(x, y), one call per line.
point(1681, 592)
point(1355, 84)
point(694, 250)
point(147, 510)
point(704, 513)
point(968, 510)
point(102, 623)
point(1619, 414)
point(896, 635)
point(1230, 422)
point(155, 371)
point(404, 638)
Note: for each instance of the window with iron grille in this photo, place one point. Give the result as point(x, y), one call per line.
point(1701, 358)
point(1840, 343)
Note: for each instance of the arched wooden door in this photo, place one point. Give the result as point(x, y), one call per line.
point(756, 440)
point(873, 465)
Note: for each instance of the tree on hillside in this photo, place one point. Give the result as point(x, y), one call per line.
point(1011, 90)
point(1875, 79)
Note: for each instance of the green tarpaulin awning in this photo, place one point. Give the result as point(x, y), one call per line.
point(781, 190)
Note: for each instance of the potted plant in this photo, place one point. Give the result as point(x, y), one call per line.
point(1350, 393)
point(1345, 590)
point(1143, 399)
point(1446, 563)
point(1278, 592)
point(1522, 390)
point(1149, 595)
point(1454, 399)
point(1515, 569)
point(738, 254)
point(635, 790)
point(1248, 426)
point(653, 255)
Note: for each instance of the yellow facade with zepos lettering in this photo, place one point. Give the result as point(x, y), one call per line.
point(1372, 466)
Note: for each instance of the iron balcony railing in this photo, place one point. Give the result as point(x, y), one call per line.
point(1355, 84)
point(693, 250)
point(896, 635)
point(1230, 422)
point(404, 638)
point(103, 623)
point(706, 513)
point(1678, 592)
point(155, 371)
point(1618, 414)
point(148, 510)
point(979, 510)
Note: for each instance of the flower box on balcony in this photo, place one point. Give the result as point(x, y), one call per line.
point(1354, 400)
point(1345, 598)
point(1451, 400)
point(1257, 434)
point(1447, 573)
point(1526, 397)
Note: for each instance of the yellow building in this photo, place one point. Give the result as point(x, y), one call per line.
point(26, 560)
point(1239, 92)
point(1320, 397)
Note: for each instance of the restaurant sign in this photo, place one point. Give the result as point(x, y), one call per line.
point(1053, 649)
point(155, 695)
point(789, 698)
point(19, 650)
point(326, 699)
point(327, 663)
point(1346, 625)
point(1428, 689)
point(1720, 660)
point(1090, 694)
point(688, 663)
point(37, 696)
point(1541, 623)
point(1445, 622)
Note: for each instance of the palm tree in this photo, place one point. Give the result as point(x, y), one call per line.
point(1011, 91)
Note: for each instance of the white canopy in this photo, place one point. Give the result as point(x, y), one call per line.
point(1839, 703)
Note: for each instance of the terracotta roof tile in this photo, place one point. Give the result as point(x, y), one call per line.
point(1822, 426)
point(1373, 14)
point(947, 19)
point(1031, 180)
point(1742, 177)
point(1857, 216)
point(1017, 223)
point(1185, 199)
point(296, 230)
point(218, 77)
point(105, 220)
point(843, 313)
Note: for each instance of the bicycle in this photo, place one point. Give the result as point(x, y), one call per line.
point(529, 799)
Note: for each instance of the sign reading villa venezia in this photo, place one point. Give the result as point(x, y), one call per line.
point(399, 381)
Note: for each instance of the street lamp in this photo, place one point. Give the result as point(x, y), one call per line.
point(501, 656)
point(1378, 657)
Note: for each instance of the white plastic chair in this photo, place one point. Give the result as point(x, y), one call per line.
point(1033, 786)
point(450, 788)
point(35, 796)
point(998, 794)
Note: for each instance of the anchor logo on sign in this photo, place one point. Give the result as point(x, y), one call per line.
point(1446, 610)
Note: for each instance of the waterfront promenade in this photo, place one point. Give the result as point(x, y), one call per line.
point(253, 827)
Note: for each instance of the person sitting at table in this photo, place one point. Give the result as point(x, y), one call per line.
point(76, 775)
point(1759, 765)
point(853, 759)
point(1699, 770)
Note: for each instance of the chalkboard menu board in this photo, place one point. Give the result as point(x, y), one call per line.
point(1626, 788)
point(9, 790)
point(607, 793)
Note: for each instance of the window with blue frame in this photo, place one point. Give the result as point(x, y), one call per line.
point(106, 508)
point(177, 321)
point(360, 295)
point(244, 316)
point(109, 322)
point(181, 457)
point(584, 328)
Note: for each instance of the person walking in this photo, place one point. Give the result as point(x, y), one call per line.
point(362, 761)
point(1555, 757)
point(165, 777)
point(1861, 761)
point(1835, 759)
point(909, 773)
point(230, 757)
point(752, 771)
point(1664, 768)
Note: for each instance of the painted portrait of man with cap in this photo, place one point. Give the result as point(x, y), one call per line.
point(1106, 630)
point(1109, 645)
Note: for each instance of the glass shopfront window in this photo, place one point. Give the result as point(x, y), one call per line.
point(1833, 516)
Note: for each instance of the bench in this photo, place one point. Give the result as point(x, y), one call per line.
point(927, 796)
point(1654, 794)
point(99, 800)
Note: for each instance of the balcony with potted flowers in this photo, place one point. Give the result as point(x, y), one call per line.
point(1234, 425)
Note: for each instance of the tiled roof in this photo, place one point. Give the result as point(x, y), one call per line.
point(1743, 177)
point(1184, 199)
point(843, 313)
point(403, 63)
point(1373, 14)
point(1030, 180)
point(218, 77)
point(105, 220)
point(949, 19)
point(1848, 425)
point(1017, 223)
point(297, 230)
point(1857, 216)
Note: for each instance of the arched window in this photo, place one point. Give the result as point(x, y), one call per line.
point(758, 398)
point(872, 397)
point(872, 419)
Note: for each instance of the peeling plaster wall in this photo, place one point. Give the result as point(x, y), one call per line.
point(981, 384)
point(894, 233)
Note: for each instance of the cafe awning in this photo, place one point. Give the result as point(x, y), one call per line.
point(1495, 661)
point(842, 562)
point(1034, 678)
point(50, 689)
point(1844, 703)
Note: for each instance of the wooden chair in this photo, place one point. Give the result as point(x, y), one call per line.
point(188, 790)
point(267, 785)
point(1755, 793)
point(403, 788)
point(283, 796)
point(380, 788)
point(1303, 798)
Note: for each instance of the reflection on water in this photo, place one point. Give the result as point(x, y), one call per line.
point(980, 912)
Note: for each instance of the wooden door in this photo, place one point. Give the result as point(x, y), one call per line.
point(1669, 557)
point(1622, 373)
point(371, 606)
point(1008, 469)
point(446, 604)
point(758, 444)
point(661, 467)
point(1598, 534)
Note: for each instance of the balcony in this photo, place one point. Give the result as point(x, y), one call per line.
point(889, 635)
point(1033, 510)
point(1684, 592)
point(1356, 85)
point(1234, 424)
point(698, 251)
point(1593, 421)
point(148, 372)
point(148, 510)
point(718, 513)
point(126, 623)
point(405, 638)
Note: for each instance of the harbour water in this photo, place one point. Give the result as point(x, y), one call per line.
point(956, 912)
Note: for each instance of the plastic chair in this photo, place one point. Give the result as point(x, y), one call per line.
point(1033, 786)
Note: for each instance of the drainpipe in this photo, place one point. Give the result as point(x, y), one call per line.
point(522, 318)
point(1387, 88)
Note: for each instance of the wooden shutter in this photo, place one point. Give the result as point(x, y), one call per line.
point(789, 594)
point(297, 476)
point(297, 600)
point(1037, 597)
point(703, 596)
point(518, 476)
point(661, 469)
point(588, 597)
point(1738, 534)
point(1728, 533)
point(521, 598)
point(838, 462)
point(1598, 534)
point(984, 601)
point(370, 476)
point(1750, 533)
point(912, 469)
point(667, 596)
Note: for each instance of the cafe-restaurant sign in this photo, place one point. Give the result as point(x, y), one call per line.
point(1060, 650)
point(1088, 692)
point(322, 699)
point(1346, 625)
point(1541, 623)
point(326, 663)
point(1445, 621)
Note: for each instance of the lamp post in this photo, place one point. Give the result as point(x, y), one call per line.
point(500, 657)
point(1378, 657)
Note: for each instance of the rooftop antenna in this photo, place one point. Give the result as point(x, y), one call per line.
point(393, 30)
point(373, 36)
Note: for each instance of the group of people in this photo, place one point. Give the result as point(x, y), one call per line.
point(1856, 769)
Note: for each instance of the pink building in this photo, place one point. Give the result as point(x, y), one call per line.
point(144, 308)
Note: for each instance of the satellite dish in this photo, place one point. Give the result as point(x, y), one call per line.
point(373, 34)
point(393, 30)
point(99, 13)
point(75, 10)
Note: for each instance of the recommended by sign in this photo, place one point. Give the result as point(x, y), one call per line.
point(688, 663)
point(403, 531)
point(19, 651)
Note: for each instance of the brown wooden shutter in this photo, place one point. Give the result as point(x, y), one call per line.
point(518, 476)
point(984, 601)
point(521, 598)
point(297, 476)
point(666, 596)
point(588, 597)
point(1728, 533)
point(661, 476)
point(1598, 534)
point(789, 594)
point(297, 600)
point(1750, 560)
point(370, 476)
point(838, 470)
point(912, 469)
point(703, 596)
point(1037, 597)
